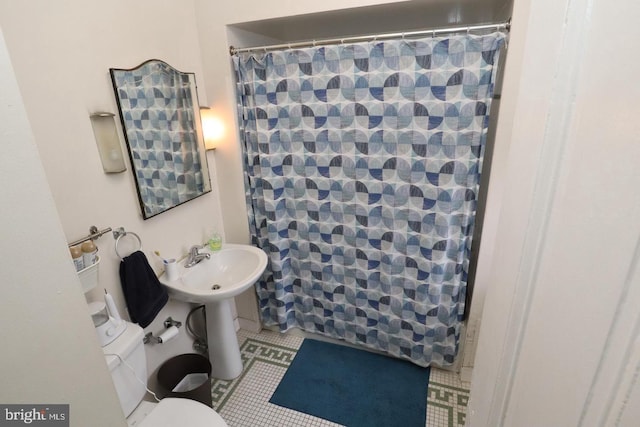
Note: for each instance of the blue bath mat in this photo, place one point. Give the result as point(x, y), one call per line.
point(353, 387)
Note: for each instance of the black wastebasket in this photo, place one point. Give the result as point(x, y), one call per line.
point(174, 370)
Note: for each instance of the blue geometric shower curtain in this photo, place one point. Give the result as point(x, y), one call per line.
point(362, 169)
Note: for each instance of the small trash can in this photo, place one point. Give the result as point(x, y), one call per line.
point(187, 376)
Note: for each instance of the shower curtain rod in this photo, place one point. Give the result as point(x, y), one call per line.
point(502, 25)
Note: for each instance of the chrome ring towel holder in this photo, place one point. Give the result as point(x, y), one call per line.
point(119, 233)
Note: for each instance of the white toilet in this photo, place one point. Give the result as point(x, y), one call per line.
point(170, 412)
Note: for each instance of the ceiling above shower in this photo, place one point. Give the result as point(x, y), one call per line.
point(377, 19)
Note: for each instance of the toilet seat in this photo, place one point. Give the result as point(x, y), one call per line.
point(177, 412)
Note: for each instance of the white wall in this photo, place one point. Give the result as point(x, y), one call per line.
point(50, 353)
point(560, 330)
point(62, 52)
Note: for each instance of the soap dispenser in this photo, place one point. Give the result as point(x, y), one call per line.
point(215, 242)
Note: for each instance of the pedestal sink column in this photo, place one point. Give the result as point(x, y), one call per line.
point(224, 352)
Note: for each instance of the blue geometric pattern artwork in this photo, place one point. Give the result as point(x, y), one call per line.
point(362, 171)
point(157, 111)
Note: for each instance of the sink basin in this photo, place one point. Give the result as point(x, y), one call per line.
point(227, 273)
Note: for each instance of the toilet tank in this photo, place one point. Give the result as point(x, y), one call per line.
point(130, 378)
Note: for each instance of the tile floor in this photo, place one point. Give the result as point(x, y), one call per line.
point(244, 401)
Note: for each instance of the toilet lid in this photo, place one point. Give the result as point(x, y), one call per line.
point(176, 412)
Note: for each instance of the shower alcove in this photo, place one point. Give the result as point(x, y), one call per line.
point(393, 18)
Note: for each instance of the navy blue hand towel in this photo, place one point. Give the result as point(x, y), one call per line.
point(143, 292)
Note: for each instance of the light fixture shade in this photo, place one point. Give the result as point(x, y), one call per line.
point(106, 134)
point(212, 128)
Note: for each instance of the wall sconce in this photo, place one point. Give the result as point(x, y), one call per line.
point(212, 128)
point(106, 134)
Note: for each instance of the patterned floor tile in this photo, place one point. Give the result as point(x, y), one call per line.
point(244, 401)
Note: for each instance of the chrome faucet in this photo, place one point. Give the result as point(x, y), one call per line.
point(195, 257)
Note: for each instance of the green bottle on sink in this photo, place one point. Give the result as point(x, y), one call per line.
point(215, 242)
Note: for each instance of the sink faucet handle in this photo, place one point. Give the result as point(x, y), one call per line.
point(195, 257)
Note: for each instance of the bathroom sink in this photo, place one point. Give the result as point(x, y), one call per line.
point(213, 282)
point(227, 273)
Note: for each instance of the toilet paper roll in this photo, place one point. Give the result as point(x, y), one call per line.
point(168, 334)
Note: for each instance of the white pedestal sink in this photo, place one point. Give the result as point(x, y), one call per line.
point(227, 273)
